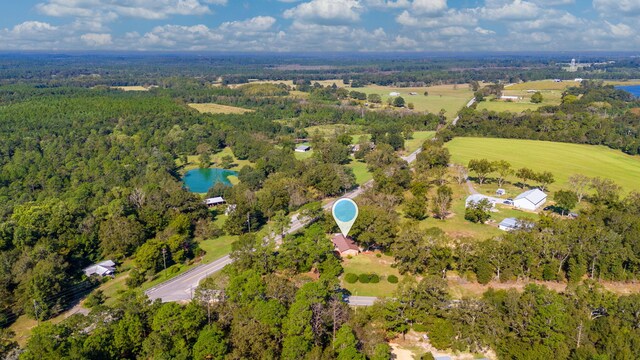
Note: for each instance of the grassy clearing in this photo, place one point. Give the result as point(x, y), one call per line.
point(130, 88)
point(360, 171)
point(451, 98)
point(561, 159)
point(210, 108)
point(419, 137)
point(550, 97)
point(542, 85)
point(367, 263)
point(193, 160)
point(330, 130)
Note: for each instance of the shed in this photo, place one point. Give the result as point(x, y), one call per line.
point(104, 268)
point(530, 200)
point(509, 97)
point(394, 93)
point(501, 192)
point(344, 245)
point(303, 148)
point(214, 201)
point(509, 224)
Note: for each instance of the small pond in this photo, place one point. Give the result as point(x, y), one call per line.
point(201, 180)
point(634, 89)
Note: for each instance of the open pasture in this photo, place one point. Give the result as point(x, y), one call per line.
point(562, 159)
point(210, 108)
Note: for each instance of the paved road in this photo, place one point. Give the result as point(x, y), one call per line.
point(471, 102)
point(181, 287)
point(361, 300)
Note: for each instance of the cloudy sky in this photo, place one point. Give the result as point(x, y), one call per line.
point(320, 25)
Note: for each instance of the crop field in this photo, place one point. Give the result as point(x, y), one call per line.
point(451, 98)
point(210, 108)
point(562, 159)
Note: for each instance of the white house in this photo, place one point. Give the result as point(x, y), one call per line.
point(477, 197)
point(303, 148)
point(508, 224)
point(509, 97)
point(104, 268)
point(530, 200)
point(394, 93)
point(214, 201)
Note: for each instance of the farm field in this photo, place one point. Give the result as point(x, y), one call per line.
point(550, 97)
point(130, 88)
point(562, 159)
point(451, 98)
point(210, 108)
point(368, 263)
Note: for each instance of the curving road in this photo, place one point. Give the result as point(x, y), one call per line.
point(181, 287)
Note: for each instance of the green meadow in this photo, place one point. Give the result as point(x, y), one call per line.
point(562, 159)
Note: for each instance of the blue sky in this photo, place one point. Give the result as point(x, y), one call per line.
point(320, 25)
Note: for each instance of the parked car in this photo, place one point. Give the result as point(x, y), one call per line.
point(508, 202)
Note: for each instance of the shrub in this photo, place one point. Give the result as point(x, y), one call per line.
point(135, 279)
point(374, 278)
point(364, 278)
point(378, 255)
point(484, 272)
point(392, 279)
point(94, 299)
point(351, 278)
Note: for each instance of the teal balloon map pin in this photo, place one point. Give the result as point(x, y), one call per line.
point(345, 212)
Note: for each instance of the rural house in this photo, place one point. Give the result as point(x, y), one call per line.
point(303, 148)
point(104, 268)
point(344, 246)
point(214, 201)
point(530, 200)
point(508, 224)
point(475, 198)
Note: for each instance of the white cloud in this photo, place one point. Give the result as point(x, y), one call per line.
point(482, 31)
point(448, 18)
point(326, 12)
point(617, 7)
point(258, 23)
point(510, 11)
point(31, 28)
point(428, 6)
point(93, 39)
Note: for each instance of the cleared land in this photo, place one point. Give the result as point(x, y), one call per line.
point(131, 88)
point(550, 97)
point(369, 263)
point(210, 108)
point(451, 98)
point(562, 159)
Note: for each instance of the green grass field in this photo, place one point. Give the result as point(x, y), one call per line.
point(419, 137)
point(360, 171)
point(366, 264)
point(451, 98)
point(562, 159)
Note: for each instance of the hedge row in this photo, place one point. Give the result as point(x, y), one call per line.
point(368, 278)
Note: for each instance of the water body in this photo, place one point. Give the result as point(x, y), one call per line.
point(634, 89)
point(201, 180)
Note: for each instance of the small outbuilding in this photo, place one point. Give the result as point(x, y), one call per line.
point(509, 224)
point(530, 200)
point(394, 93)
point(214, 201)
point(501, 192)
point(509, 97)
point(344, 246)
point(303, 148)
point(105, 268)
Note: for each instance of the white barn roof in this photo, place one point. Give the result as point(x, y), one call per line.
point(511, 223)
point(534, 196)
point(107, 267)
point(214, 200)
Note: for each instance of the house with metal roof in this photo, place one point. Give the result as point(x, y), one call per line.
point(303, 148)
point(475, 198)
point(509, 224)
point(104, 268)
point(214, 201)
point(530, 200)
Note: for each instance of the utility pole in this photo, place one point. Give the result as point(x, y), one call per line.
point(249, 221)
point(164, 259)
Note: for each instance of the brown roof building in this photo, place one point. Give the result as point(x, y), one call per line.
point(344, 245)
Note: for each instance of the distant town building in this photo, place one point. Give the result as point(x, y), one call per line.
point(303, 148)
point(530, 200)
point(344, 245)
point(105, 268)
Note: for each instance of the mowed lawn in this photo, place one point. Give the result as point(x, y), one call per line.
point(369, 263)
point(562, 159)
point(451, 98)
point(416, 141)
point(210, 108)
